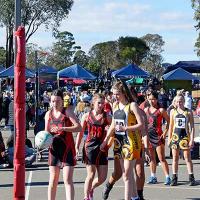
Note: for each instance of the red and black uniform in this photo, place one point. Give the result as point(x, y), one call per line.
point(62, 151)
point(155, 128)
point(96, 134)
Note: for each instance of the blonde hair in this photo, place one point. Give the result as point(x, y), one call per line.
point(179, 92)
point(97, 96)
point(179, 95)
point(81, 106)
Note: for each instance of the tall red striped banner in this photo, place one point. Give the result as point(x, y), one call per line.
point(20, 118)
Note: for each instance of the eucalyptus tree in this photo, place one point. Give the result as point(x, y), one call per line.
point(196, 7)
point(103, 56)
point(153, 60)
point(2, 56)
point(132, 49)
point(35, 13)
point(62, 52)
point(81, 58)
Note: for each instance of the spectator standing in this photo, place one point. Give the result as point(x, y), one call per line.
point(5, 109)
point(163, 99)
point(11, 122)
point(188, 100)
point(82, 107)
point(1, 102)
point(67, 99)
point(46, 100)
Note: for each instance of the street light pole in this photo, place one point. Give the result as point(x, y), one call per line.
point(17, 24)
point(36, 91)
point(17, 13)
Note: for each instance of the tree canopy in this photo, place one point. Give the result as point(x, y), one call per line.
point(153, 60)
point(35, 13)
point(63, 50)
point(132, 49)
point(2, 56)
point(196, 7)
point(104, 55)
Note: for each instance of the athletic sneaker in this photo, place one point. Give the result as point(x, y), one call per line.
point(167, 181)
point(152, 180)
point(136, 198)
point(174, 181)
point(106, 191)
point(192, 181)
point(91, 195)
point(140, 194)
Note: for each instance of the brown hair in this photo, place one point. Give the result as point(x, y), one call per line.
point(121, 86)
point(97, 96)
point(58, 93)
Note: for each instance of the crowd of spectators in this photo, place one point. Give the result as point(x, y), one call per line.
point(78, 97)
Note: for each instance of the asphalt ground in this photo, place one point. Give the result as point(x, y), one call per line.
point(37, 180)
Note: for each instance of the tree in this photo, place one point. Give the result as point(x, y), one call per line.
point(30, 55)
point(62, 52)
point(2, 56)
point(35, 13)
point(153, 60)
point(104, 56)
point(196, 7)
point(81, 58)
point(94, 66)
point(132, 49)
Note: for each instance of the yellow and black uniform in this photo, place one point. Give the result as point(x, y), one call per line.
point(180, 135)
point(67, 101)
point(127, 145)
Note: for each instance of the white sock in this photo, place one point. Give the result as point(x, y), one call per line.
point(134, 198)
point(153, 174)
point(167, 176)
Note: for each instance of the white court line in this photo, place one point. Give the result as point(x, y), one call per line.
point(182, 165)
point(169, 187)
point(76, 185)
point(28, 185)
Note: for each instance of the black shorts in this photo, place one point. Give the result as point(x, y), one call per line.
point(92, 155)
point(60, 154)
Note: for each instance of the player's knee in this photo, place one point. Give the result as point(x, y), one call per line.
point(90, 176)
point(53, 183)
point(126, 177)
point(68, 181)
point(116, 175)
point(101, 179)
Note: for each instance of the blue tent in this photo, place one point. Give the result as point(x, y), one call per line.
point(129, 71)
point(190, 66)
point(46, 70)
point(2, 68)
point(179, 74)
point(9, 72)
point(75, 71)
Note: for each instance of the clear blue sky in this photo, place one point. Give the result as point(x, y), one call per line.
point(94, 21)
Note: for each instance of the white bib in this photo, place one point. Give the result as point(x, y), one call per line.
point(120, 122)
point(180, 122)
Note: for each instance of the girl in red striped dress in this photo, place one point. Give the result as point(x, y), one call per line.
point(61, 123)
point(95, 122)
